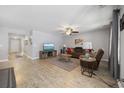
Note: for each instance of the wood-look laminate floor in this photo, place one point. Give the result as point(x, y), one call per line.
point(42, 74)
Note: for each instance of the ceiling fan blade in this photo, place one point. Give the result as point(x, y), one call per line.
point(75, 32)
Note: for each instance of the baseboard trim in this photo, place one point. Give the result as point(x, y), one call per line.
point(28, 56)
point(4, 60)
point(35, 58)
point(31, 57)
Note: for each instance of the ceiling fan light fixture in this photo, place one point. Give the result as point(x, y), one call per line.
point(69, 29)
point(68, 32)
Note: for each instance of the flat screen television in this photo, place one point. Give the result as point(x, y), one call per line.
point(48, 47)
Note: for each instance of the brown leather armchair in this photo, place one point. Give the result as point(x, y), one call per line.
point(92, 63)
point(98, 57)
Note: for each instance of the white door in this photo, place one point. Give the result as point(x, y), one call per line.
point(15, 45)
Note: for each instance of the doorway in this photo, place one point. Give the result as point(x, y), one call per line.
point(15, 45)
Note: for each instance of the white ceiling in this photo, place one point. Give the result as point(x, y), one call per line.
point(49, 18)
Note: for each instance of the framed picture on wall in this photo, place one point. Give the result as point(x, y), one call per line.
point(78, 41)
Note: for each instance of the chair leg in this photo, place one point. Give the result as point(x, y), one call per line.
point(90, 75)
point(88, 68)
point(81, 70)
point(91, 72)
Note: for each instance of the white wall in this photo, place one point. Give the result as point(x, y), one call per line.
point(38, 38)
point(28, 47)
point(3, 45)
point(99, 39)
point(28, 50)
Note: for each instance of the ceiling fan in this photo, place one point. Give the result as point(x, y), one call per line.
point(69, 29)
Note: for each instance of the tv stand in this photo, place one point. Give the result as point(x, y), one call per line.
point(46, 54)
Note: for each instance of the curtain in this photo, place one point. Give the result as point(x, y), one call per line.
point(114, 66)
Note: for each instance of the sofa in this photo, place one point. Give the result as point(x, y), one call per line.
point(75, 52)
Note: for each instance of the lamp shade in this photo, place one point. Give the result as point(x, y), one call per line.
point(87, 45)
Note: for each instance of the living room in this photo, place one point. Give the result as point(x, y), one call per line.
point(42, 26)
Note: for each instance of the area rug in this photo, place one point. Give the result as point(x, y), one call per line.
point(68, 66)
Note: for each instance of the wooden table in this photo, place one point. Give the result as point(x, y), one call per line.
point(87, 64)
point(65, 57)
